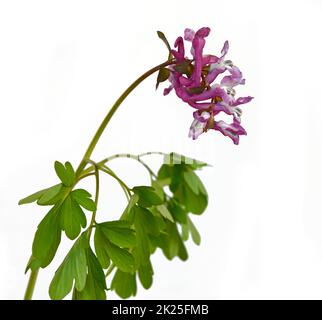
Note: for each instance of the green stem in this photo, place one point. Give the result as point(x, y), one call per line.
point(130, 156)
point(97, 190)
point(89, 170)
point(110, 114)
point(152, 153)
point(31, 284)
point(112, 174)
point(109, 270)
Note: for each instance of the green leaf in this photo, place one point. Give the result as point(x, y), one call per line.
point(72, 218)
point(99, 243)
point(177, 211)
point(146, 275)
point(166, 42)
point(95, 282)
point(61, 171)
point(184, 67)
point(120, 257)
point(193, 181)
point(172, 173)
point(192, 202)
point(33, 264)
point(70, 172)
point(187, 188)
point(147, 196)
point(124, 224)
point(165, 172)
point(185, 232)
point(172, 244)
point(182, 252)
point(197, 90)
point(194, 232)
point(173, 241)
point(128, 213)
point(133, 201)
point(147, 220)
point(52, 195)
point(47, 238)
point(164, 182)
point(82, 197)
point(65, 173)
point(124, 284)
point(118, 234)
point(175, 158)
point(163, 75)
point(145, 224)
point(158, 222)
point(158, 188)
point(143, 247)
point(80, 194)
point(196, 164)
point(73, 268)
point(165, 212)
point(33, 197)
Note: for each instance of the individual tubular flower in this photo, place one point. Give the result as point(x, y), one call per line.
point(235, 78)
point(233, 130)
point(199, 124)
point(204, 120)
point(195, 81)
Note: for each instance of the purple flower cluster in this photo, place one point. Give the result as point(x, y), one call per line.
point(196, 82)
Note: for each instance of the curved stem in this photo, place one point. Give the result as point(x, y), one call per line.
point(112, 174)
point(152, 153)
point(31, 284)
point(109, 270)
point(125, 188)
point(89, 170)
point(97, 189)
point(110, 114)
point(83, 176)
point(152, 174)
point(130, 156)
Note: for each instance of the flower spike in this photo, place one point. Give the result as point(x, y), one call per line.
point(195, 81)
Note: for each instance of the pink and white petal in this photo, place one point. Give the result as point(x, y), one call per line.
point(235, 78)
point(182, 93)
point(196, 129)
point(200, 105)
point(228, 81)
point(242, 100)
point(189, 34)
point(203, 32)
point(209, 59)
point(223, 107)
point(215, 91)
point(213, 74)
point(198, 44)
point(166, 91)
point(225, 49)
point(202, 116)
point(235, 72)
point(233, 130)
point(180, 52)
point(185, 81)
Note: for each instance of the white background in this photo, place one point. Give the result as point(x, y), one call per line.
point(63, 63)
